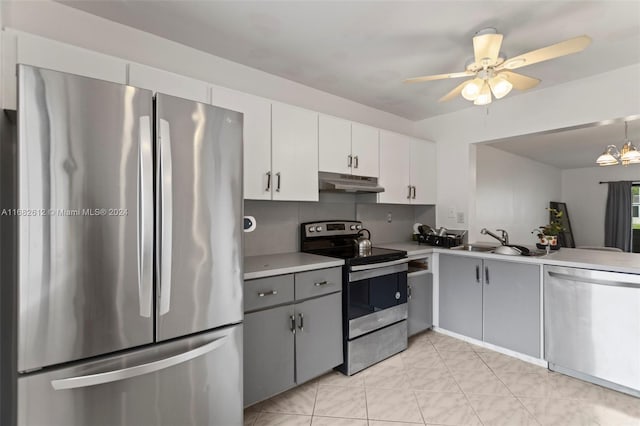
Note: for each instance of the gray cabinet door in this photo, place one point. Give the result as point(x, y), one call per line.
point(268, 353)
point(512, 306)
point(420, 302)
point(461, 295)
point(318, 336)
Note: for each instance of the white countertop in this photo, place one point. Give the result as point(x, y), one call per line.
point(285, 263)
point(576, 258)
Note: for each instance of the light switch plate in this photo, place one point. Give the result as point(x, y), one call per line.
point(460, 217)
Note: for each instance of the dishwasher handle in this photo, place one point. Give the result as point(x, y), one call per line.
point(589, 280)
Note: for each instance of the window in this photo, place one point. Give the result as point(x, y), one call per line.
point(635, 218)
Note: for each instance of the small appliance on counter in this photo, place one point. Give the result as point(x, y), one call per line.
point(374, 310)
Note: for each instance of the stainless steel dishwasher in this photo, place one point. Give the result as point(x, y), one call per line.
point(592, 326)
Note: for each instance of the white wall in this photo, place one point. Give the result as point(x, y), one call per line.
point(586, 199)
point(59, 22)
point(614, 94)
point(512, 193)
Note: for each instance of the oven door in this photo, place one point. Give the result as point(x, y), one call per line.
point(376, 296)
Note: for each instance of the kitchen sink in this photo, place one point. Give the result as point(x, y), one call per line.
point(474, 247)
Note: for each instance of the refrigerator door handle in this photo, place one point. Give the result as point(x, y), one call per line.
point(138, 370)
point(145, 218)
point(166, 217)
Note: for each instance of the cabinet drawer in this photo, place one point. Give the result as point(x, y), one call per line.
point(319, 282)
point(265, 292)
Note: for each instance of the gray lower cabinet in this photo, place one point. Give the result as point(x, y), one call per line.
point(420, 304)
point(318, 341)
point(268, 353)
point(296, 340)
point(460, 300)
point(511, 306)
point(491, 300)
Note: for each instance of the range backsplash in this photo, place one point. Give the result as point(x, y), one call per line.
point(278, 222)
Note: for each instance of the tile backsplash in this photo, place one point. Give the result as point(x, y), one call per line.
point(278, 222)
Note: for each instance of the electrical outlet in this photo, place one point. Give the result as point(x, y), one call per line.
point(451, 214)
point(389, 217)
point(460, 217)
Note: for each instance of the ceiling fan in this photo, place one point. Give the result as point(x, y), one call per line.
point(491, 70)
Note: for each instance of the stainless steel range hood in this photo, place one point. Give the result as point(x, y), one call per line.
point(336, 182)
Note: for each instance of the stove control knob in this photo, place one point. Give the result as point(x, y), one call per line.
point(397, 295)
point(358, 226)
point(312, 229)
point(318, 228)
point(352, 227)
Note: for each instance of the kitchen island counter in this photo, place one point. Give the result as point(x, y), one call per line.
point(285, 263)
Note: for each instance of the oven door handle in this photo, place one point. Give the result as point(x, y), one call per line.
point(379, 265)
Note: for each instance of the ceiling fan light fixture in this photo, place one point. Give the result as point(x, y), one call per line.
point(500, 86)
point(471, 90)
point(484, 97)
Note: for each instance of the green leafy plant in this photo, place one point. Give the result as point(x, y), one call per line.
point(552, 228)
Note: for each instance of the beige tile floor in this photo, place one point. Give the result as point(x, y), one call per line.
point(440, 380)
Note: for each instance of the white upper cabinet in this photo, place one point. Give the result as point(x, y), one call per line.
point(256, 137)
point(23, 48)
point(168, 83)
point(395, 163)
point(407, 170)
point(294, 153)
point(423, 172)
point(364, 148)
point(334, 135)
point(347, 148)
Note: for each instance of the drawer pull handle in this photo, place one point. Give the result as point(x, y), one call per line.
point(321, 283)
point(269, 293)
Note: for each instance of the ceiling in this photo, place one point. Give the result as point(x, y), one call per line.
point(574, 148)
point(362, 50)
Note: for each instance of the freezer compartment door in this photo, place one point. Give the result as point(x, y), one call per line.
point(193, 381)
point(199, 216)
point(85, 204)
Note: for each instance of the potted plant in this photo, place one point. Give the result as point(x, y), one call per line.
point(548, 234)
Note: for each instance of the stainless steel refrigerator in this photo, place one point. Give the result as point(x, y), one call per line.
point(129, 257)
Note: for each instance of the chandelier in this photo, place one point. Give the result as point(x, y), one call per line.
point(628, 154)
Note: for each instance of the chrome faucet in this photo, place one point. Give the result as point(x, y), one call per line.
point(504, 240)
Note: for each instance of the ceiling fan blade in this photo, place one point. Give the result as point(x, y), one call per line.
point(487, 46)
point(520, 81)
point(567, 47)
point(439, 76)
point(455, 92)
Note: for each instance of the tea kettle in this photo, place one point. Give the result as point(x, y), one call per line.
point(363, 243)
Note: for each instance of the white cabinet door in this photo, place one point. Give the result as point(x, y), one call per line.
point(423, 172)
point(23, 48)
point(45, 53)
point(334, 140)
point(364, 148)
point(395, 162)
point(257, 138)
point(294, 153)
point(168, 83)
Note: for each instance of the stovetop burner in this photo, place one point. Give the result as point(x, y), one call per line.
point(336, 239)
